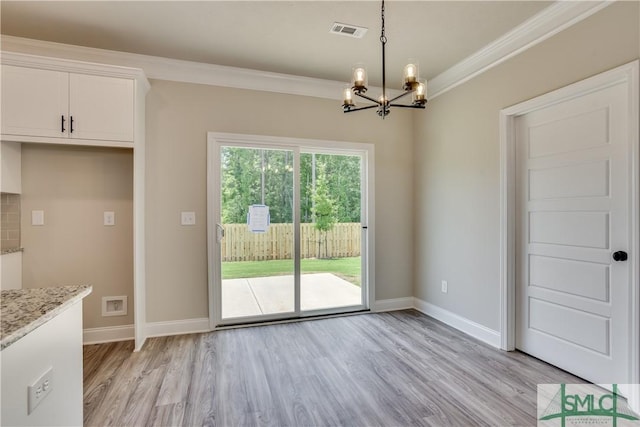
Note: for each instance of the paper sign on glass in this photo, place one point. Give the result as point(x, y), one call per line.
point(258, 218)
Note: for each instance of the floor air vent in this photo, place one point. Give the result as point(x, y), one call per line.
point(348, 30)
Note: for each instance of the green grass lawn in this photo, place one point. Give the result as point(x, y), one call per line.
point(346, 268)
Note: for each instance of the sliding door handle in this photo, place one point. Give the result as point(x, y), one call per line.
point(219, 232)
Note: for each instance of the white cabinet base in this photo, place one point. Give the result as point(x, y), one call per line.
point(57, 344)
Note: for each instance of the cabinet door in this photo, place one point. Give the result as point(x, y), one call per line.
point(101, 107)
point(34, 102)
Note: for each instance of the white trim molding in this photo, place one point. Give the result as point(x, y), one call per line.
point(160, 68)
point(107, 334)
point(73, 66)
point(177, 327)
point(550, 21)
point(393, 304)
point(627, 74)
point(469, 327)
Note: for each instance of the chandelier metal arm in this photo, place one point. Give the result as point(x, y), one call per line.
point(367, 97)
point(408, 106)
point(400, 96)
point(352, 109)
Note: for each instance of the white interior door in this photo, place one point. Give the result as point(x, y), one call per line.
point(573, 217)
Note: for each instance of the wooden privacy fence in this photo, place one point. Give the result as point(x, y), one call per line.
point(239, 244)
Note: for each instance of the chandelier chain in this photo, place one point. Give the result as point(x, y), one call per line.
point(383, 38)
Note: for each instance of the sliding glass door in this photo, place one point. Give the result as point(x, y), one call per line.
point(331, 231)
point(287, 230)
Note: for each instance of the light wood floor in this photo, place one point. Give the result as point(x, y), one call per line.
point(392, 369)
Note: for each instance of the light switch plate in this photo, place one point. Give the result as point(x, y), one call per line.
point(109, 218)
point(37, 217)
point(188, 218)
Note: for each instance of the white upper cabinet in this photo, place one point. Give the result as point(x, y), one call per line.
point(56, 101)
point(101, 107)
point(34, 102)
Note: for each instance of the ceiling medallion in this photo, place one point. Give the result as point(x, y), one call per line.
point(412, 84)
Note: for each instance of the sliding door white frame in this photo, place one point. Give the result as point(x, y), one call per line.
point(297, 145)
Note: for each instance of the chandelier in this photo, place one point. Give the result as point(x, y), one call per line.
point(412, 84)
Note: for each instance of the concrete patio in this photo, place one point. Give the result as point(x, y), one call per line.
point(270, 295)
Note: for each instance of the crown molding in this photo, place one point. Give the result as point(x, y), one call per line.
point(57, 64)
point(181, 71)
point(550, 21)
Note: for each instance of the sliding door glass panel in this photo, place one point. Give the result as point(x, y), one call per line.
point(330, 231)
point(257, 250)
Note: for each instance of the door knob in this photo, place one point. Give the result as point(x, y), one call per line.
point(620, 256)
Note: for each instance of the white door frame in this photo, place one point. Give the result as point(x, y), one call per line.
point(626, 74)
point(295, 144)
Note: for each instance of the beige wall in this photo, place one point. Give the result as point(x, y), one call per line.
point(74, 186)
point(179, 115)
point(457, 158)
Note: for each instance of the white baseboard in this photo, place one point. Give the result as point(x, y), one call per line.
point(107, 334)
point(393, 304)
point(463, 324)
point(177, 327)
point(190, 326)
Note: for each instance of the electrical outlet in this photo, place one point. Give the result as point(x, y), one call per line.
point(188, 218)
point(39, 390)
point(445, 287)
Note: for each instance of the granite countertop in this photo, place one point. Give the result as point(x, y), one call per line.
point(23, 310)
point(10, 251)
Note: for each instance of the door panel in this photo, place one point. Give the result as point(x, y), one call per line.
point(567, 324)
point(585, 279)
point(257, 253)
point(570, 181)
point(573, 201)
point(580, 129)
point(586, 229)
point(331, 205)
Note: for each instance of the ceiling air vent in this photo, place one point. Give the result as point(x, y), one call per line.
point(348, 30)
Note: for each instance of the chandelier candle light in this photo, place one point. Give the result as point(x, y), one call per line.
point(412, 84)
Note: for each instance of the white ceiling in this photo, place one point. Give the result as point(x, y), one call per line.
point(290, 37)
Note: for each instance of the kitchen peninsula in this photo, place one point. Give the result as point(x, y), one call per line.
point(41, 355)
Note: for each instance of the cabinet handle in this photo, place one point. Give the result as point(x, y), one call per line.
point(71, 124)
point(62, 124)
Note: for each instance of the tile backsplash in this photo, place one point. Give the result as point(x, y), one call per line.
point(10, 221)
